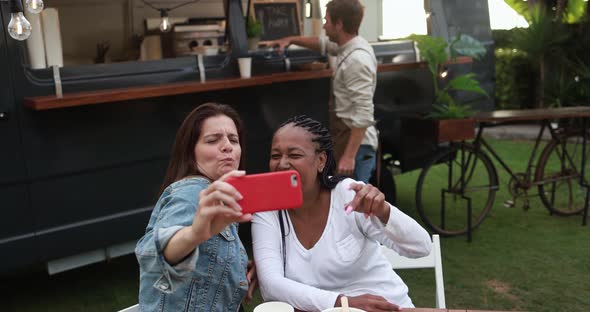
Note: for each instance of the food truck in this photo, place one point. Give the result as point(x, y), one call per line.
point(91, 100)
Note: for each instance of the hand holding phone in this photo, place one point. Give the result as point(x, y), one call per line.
point(269, 191)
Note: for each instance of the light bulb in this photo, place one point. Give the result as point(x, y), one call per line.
point(165, 24)
point(19, 28)
point(35, 6)
point(308, 9)
point(444, 74)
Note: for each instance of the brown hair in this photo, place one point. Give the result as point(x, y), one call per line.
point(350, 12)
point(182, 158)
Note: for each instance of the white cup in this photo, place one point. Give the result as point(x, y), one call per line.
point(274, 306)
point(245, 64)
point(340, 309)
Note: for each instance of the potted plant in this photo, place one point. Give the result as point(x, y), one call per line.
point(451, 118)
point(253, 30)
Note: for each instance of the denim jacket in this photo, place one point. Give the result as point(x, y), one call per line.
point(211, 278)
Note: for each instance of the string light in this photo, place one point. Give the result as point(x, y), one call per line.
point(34, 6)
point(19, 27)
point(165, 25)
point(308, 9)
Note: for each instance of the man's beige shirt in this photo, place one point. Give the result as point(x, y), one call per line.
point(354, 83)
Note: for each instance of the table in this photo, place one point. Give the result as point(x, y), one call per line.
point(446, 310)
point(440, 310)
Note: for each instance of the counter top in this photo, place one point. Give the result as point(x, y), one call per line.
point(47, 102)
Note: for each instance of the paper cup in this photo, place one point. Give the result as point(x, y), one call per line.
point(274, 306)
point(340, 309)
point(245, 64)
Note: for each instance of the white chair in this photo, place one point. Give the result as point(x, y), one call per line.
point(433, 260)
point(133, 308)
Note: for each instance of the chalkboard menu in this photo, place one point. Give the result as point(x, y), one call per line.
point(279, 18)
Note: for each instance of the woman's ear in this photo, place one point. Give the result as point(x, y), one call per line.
point(323, 157)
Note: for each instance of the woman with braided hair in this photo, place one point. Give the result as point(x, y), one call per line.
point(329, 247)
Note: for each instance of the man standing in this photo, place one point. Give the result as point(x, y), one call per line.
point(353, 85)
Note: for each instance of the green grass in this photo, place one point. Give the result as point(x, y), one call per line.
point(518, 260)
point(101, 287)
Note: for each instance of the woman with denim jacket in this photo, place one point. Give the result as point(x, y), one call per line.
point(191, 258)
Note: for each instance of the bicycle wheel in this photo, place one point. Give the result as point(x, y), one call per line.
point(440, 184)
point(558, 174)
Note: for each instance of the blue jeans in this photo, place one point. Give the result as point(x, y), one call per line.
point(364, 163)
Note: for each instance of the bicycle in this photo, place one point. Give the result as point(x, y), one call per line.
point(456, 189)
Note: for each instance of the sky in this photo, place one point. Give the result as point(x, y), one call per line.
point(503, 16)
point(403, 18)
point(406, 17)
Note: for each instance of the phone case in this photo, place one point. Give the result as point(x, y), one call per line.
point(269, 191)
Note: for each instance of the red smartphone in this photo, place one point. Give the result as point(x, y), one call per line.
point(269, 191)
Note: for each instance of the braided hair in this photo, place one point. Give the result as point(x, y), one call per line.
point(321, 135)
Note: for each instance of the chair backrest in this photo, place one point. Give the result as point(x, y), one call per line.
point(133, 308)
point(433, 260)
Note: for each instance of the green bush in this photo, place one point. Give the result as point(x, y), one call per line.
point(556, 45)
point(514, 80)
point(567, 81)
point(502, 37)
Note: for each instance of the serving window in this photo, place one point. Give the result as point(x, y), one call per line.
point(80, 32)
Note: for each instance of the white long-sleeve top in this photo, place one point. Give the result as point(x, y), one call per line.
point(345, 260)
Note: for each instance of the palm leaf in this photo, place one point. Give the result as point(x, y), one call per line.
point(444, 98)
point(466, 82)
point(575, 11)
point(432, 49)
point(468, 46)
point(542, 35)
point(521, 7)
